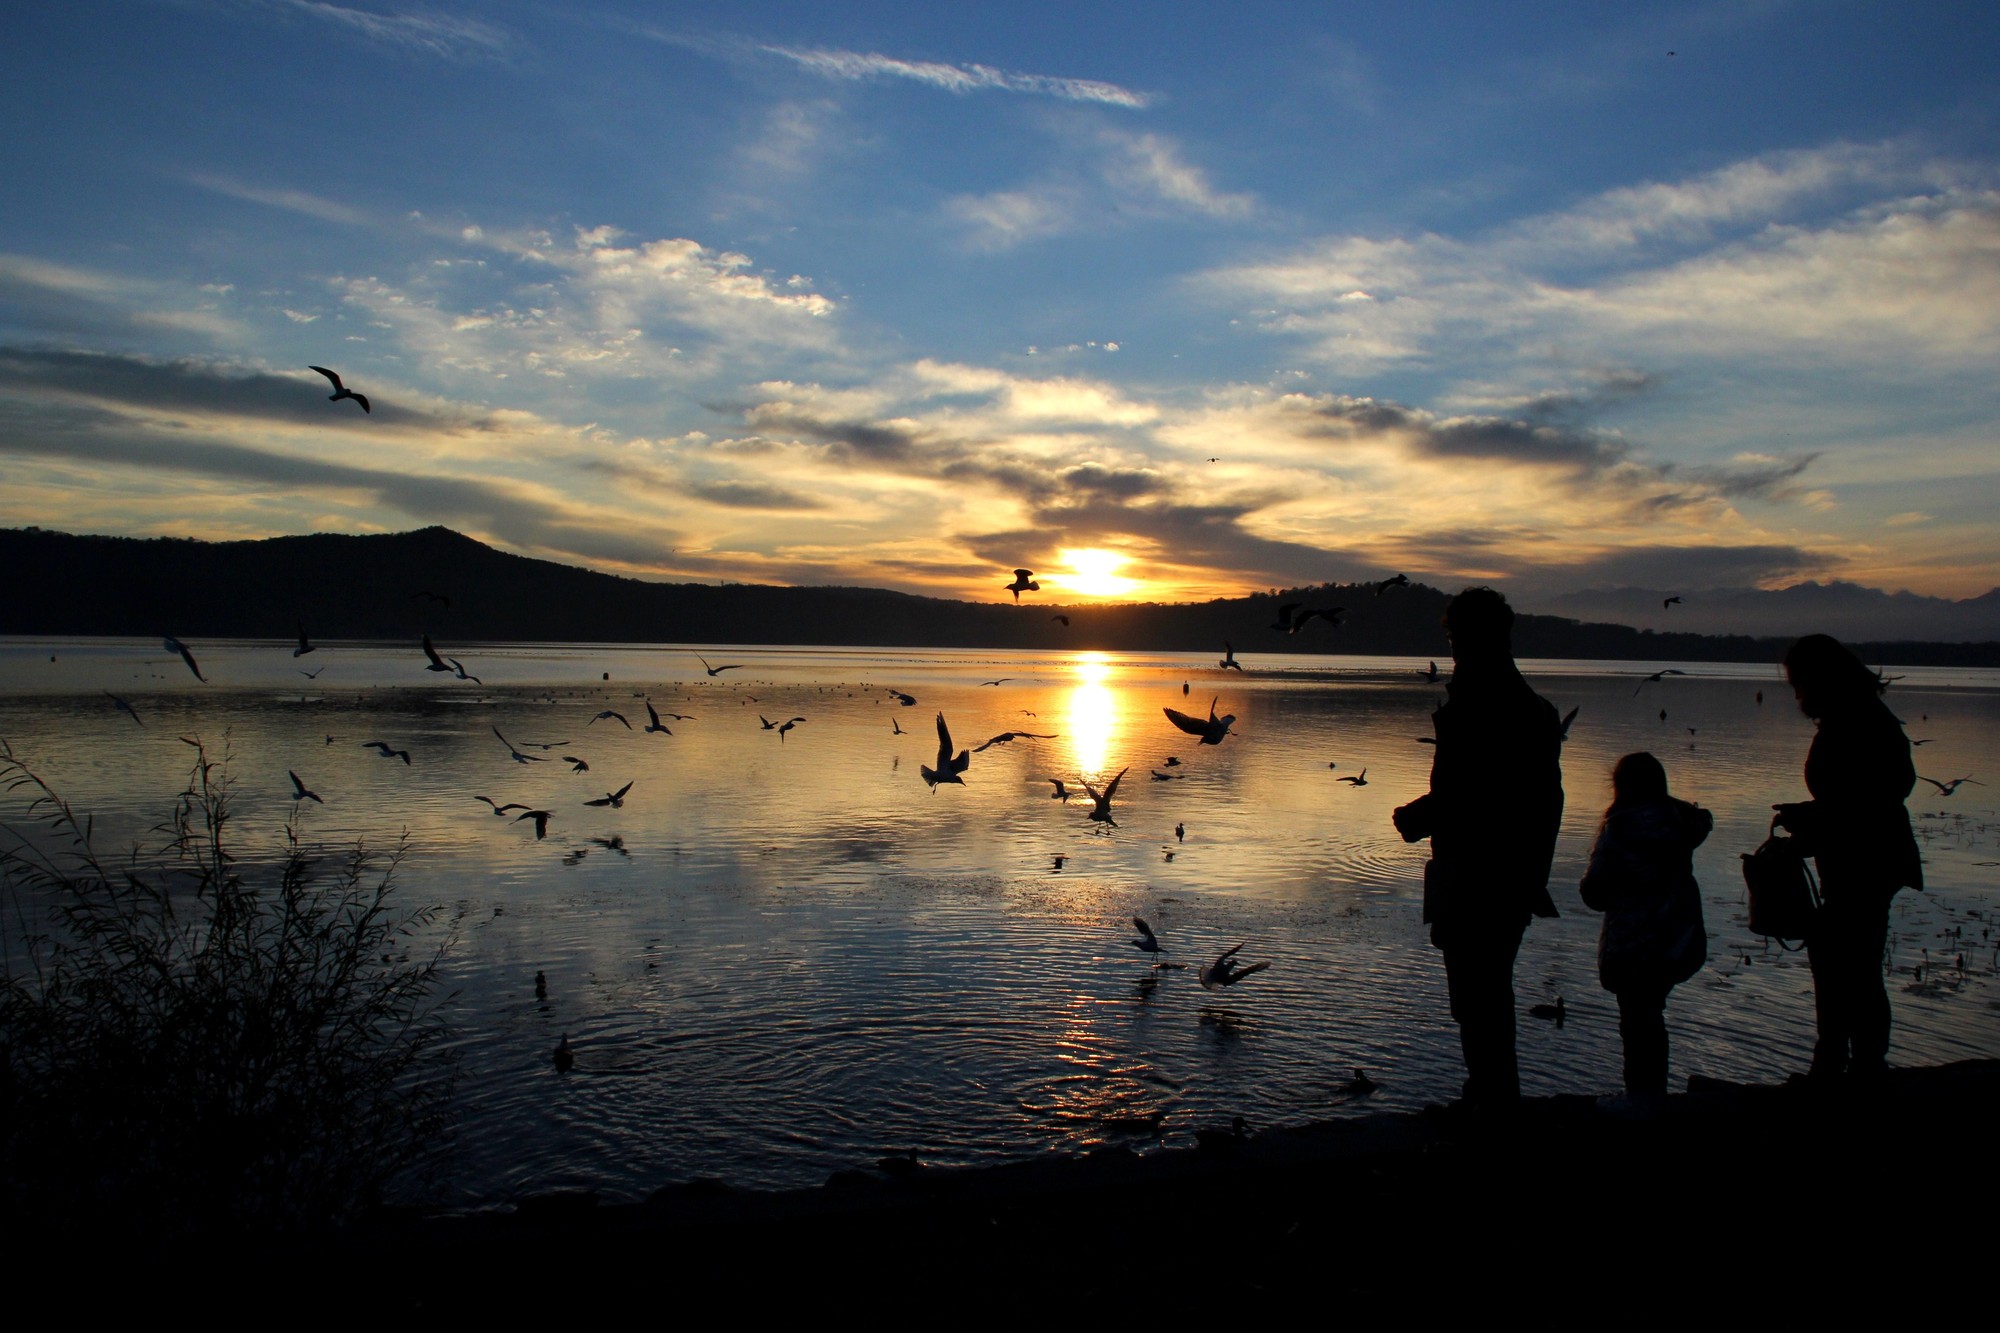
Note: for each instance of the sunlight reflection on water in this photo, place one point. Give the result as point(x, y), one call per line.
point(785, 957)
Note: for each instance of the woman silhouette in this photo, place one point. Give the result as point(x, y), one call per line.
point(1856, 827)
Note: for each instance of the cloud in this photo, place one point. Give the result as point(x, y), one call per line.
point(292, 201)
point(1745, 261)
point(856, 66)
point(422, 32)
point(43, 297)
point(1104, 175)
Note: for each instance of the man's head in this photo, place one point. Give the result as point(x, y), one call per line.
point(1480, 625)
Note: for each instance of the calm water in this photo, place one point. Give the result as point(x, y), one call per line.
point(800, 959)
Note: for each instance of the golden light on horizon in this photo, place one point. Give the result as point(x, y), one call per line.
point(1094, 572)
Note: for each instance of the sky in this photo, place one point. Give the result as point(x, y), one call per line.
point(1163, 301)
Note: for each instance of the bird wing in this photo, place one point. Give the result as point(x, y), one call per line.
point(1024, 574)
point(619, 795)
point(337, 385)
point(1139, 923)
point(1111, 789)
point(944, 743)
point(363, 400)
point(1193, 726)
point(431, 652)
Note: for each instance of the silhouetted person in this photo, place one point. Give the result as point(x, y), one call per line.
point(1641, 877)
point(1492, 813)
point(1858, 830)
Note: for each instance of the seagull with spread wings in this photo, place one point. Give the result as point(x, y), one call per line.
point(340, 390)
point(1147, 942)
point(1024, 581)
point(614, 799)
point(717, 670)
point(1006, 736)
point(1228, 662)
point(174, 645)
point(1211, 732)
point(382, 748)
point(1226, 971)
point(949, 766)
point(300, 792)
point(517, 756)
point(1100, 812)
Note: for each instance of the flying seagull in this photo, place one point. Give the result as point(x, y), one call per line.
point(1024, 581)
point(1947, 788)
point(906, 700)
point(1228, 662)
point(174, 645)
point(655, 724)
point(1211, 731)
point(948, 766)
point(541, 818)
point(614, 799)
point(1063, 619)
point(1225, 971)
point(1360, 780)
point(518, 757)
point(463, 674)
point(1147, 942)
point(1394, 581)
point(340, 390)
point(430, 650)
point(304, 647)
point(576, 764)
point(1661, 674)
point(1006, 736)
point(1061, 793)
point(610, 712)
point(1101, 800)
point(498, 809)
point(300, 792)
point(714, 670)
point(382, 748)
point(1671, 601)
point(124, 707)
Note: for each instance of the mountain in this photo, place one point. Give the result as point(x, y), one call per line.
point(396, 586)
point(1847, 611)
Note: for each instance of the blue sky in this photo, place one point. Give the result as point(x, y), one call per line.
point(1167, 301)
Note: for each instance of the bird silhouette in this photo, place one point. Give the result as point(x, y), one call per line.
point(1061, 792)
point(174, 645)
point(1661, 674)
point(717, 670)
point(1359, 780)
point(1063, 619)
point(614, 799)
point(1180, 833)
point(655, 724)
point(1947, 788)
point(340, 390)
point(1100, 812)
point(612, 713)
point(948, 766)
point(459, 667)
point(1432, 674)
point(1147, 942)
point(1228, 662)
point(304, 647)
point(1671, 601)
point(906, 700)
point(1358, 1086)
point(1393, 581)
point(541, 985)
point(576, 765)
point(1292, 616)
point(1007, 736)
point(563, 1057)
point(1211, 732)
point(1024, 581)
point(382, 748)
point(541, 818)
point(430, 650)
point(498, 809)
point(300, 792)
point(516, 754)
point(124, 707)
point(1226, 971)
point(786, 726)
point(896, 728)
point(1554, 1013)
point(1568, 718)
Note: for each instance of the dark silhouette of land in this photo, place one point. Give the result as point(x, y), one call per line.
point(396, 586)
point(1363, 1218)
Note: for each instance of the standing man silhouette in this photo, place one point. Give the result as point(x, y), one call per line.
point(1492, 815)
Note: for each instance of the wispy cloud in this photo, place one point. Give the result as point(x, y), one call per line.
point(426, 32)
point(856, 66)
point(292, 201)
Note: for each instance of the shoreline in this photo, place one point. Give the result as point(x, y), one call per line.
point(1785, 1198)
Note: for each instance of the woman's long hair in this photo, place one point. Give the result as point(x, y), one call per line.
point(1827, 677)
point(1637, 779)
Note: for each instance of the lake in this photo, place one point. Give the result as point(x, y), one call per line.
point(785, 955)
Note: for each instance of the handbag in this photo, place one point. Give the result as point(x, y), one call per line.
point(1784, 896)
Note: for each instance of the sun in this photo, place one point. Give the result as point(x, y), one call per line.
point(1095, 572)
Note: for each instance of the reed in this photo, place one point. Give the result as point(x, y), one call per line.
point(189, 1044)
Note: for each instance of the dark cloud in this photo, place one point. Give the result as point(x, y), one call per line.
point(861, 439)
point(195, 386)
point(751, 495)
point(1538, 442)
point(1680, 567)
point(74, 434)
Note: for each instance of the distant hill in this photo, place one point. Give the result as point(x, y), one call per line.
point(374, 587)
point(1847, 611)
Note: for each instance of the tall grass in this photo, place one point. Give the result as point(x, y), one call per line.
point(188, 1047)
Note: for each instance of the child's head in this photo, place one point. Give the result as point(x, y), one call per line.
point(1637, 779)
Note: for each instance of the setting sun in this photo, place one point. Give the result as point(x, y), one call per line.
point(1095, 573)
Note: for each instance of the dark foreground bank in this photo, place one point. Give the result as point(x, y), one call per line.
point(1736, 1204)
